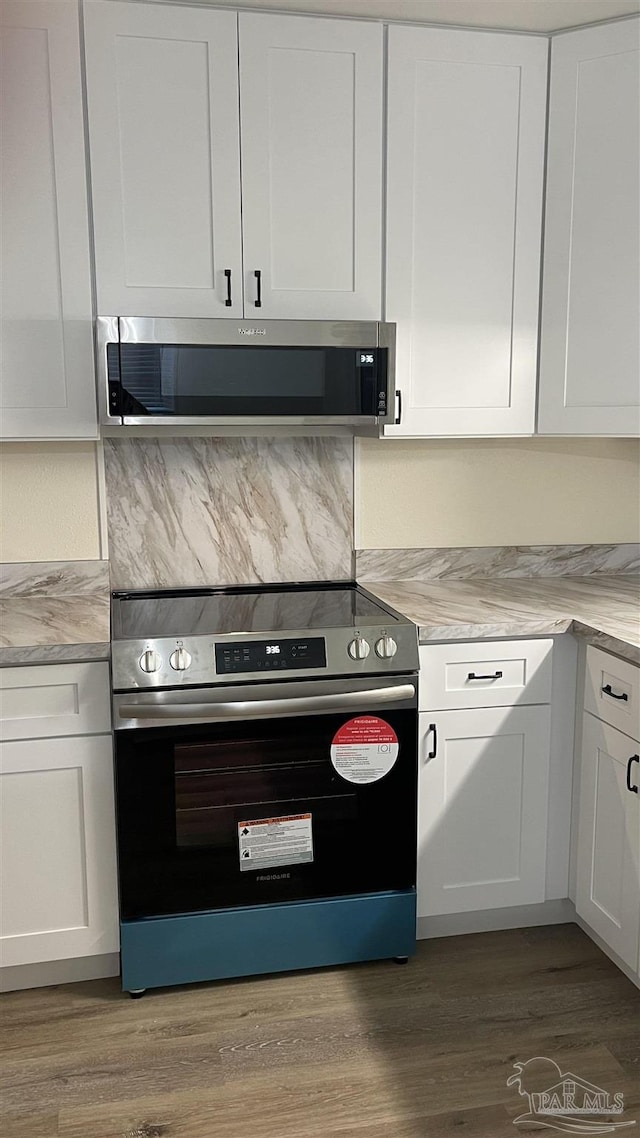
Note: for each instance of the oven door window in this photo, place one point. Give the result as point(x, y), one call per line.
point(185, 798)
point(201, 380)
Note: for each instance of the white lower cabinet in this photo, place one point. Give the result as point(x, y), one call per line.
point(57, 818)
point(482, 808)
point(608, 859)
point(59, 897)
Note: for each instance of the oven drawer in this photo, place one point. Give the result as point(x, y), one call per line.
point(612, 691)
point(49, 700)
point(484, 674)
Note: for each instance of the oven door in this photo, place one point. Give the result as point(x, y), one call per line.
point(189, 371)
point(263, 793)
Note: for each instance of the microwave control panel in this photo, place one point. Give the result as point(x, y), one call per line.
point(272, 655)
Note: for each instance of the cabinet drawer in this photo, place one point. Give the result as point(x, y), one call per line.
point(54, 699)
point(612, 690)
point(484, 674)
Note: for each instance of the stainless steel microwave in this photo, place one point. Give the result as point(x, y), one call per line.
point(245, 373)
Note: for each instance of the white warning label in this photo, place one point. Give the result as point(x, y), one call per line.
point(364, 749)
point(265, 842)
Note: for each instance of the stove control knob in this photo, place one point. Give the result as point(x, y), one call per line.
point(359, 648)
point(386, 647)
point(149, 661)
point(180, 660)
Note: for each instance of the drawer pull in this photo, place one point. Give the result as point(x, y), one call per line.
point(434, 750)
point(493, 676)
point(630, 786)
point(608, 691)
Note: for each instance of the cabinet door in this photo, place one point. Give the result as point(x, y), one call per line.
point(48, 388)
point(311, 124)
point(482, 809)
point(162, 87)
point(590, 347)
point(608, 862)
point(58, 871)
point(466, 124)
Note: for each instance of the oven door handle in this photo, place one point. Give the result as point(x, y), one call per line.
point(268, 708)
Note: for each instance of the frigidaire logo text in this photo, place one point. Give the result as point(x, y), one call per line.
point(252, 331)
point(272, 876)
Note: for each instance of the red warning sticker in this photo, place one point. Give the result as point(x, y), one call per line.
point(364, 749)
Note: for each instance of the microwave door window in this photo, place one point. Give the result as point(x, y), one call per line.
point(202, 380)
point(169, 378)
point(250, 381)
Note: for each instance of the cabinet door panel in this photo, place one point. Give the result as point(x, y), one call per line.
point(482, 811)
point(58, 861)
point(465, 162)
point(162, 89)
point(608, 863)
point(590, 350)
point(54, 699)
point(311, 111)
point(48, 388)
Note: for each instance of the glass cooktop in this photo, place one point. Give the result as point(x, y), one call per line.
point(269, 608)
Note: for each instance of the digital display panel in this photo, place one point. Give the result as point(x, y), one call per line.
point(268, 655)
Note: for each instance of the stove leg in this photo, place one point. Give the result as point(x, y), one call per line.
point(137, 993)
point(401, 960)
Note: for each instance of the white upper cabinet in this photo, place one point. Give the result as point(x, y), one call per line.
point(162, 87)
point(466, 136)
point(311, 129)
point(48, 386)
point(590, 348)
point(170, 216)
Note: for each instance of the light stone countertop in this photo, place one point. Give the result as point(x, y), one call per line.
point(605, 610)
point(54, 612)
point(59, 612)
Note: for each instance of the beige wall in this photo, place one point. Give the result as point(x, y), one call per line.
point(431, 493)
point(496, 492)
point(48, 502)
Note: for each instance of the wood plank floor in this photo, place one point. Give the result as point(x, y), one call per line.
point(367, 1051)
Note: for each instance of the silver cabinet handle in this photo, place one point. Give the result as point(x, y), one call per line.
point(267, 708)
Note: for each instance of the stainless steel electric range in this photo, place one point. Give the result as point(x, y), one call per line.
point(266, 771)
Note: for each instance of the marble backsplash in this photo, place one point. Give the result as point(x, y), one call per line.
point(496, 561)
point(202, 511)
